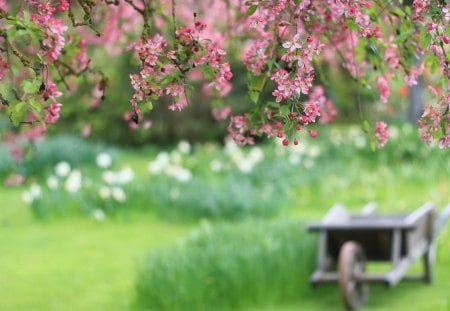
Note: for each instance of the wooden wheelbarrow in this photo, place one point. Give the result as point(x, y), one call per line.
point(348, 241)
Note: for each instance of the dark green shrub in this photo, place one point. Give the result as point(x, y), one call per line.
point(46, 153)
point(229, 266)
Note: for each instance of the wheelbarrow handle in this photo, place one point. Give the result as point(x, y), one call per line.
point(442, 220)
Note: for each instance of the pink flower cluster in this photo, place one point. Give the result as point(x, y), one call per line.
point(164, 70)
point(430, 123)
point(50, 91)
point(383, 87)
point(238, 130)
point(381, 133)
point(53, 28)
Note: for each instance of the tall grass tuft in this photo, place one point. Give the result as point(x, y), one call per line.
point(229, 266)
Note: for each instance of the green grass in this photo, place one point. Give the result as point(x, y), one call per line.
point(81, 265)
point(73, 264)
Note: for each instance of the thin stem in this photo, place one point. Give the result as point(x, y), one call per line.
point(174, 24)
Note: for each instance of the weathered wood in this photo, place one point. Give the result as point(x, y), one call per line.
point(320, 277)
point(369, 209)
point(337, 214)
point(364, 224)
point(442, 220)
point(396, 246)
point(418, 214)
point(352, 262)
point(399, 270)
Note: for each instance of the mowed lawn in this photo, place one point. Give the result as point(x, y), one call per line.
point(80, 264)
point(73, 264)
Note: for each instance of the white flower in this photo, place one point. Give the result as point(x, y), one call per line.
point(121, 177)
point(98, 214)
point(118, 194)
point(184, 147)
point(104, 193)
point(27, 197)
point(35, 191)
point(109, 177)
point(159, 164)
point(175, 157)
point(394, 133)
point(256, 154)
point(179, 173)
point(104, 160)
point(125, 176)
point(62, 169)
point(245, 165)
point(52, 182)
point(185, 175)
point(73, 182)
point(216, 165)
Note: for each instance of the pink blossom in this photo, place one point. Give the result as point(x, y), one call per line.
point(81, 58)
point(237, 129)
point(381, 133)
point(86, 130)
point(221, 113)
point(391, 54)
point(383, 87)
point(52, 113)
point(180, 102)
point(14, 180)
point(4, 66)
point(293, 45)
point(444, 142)
point(63, 5)
point(3, 6)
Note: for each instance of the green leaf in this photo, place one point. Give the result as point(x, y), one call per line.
point(425, 38)
point(399, 12)
point(251, 10)
point(404, 35)
point(11, 33)
point(31, 86)
point(366, 126)
point(373, 145)
point(165, 80)
point(208, 72)
point(35, 105)
point(408, 10)
point(148, 105)
point(432, 62)
point(254, 96)
point(17, 112)
point(351, 23)
point(256, 83)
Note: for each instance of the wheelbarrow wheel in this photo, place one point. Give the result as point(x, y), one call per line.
point(352, 263)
